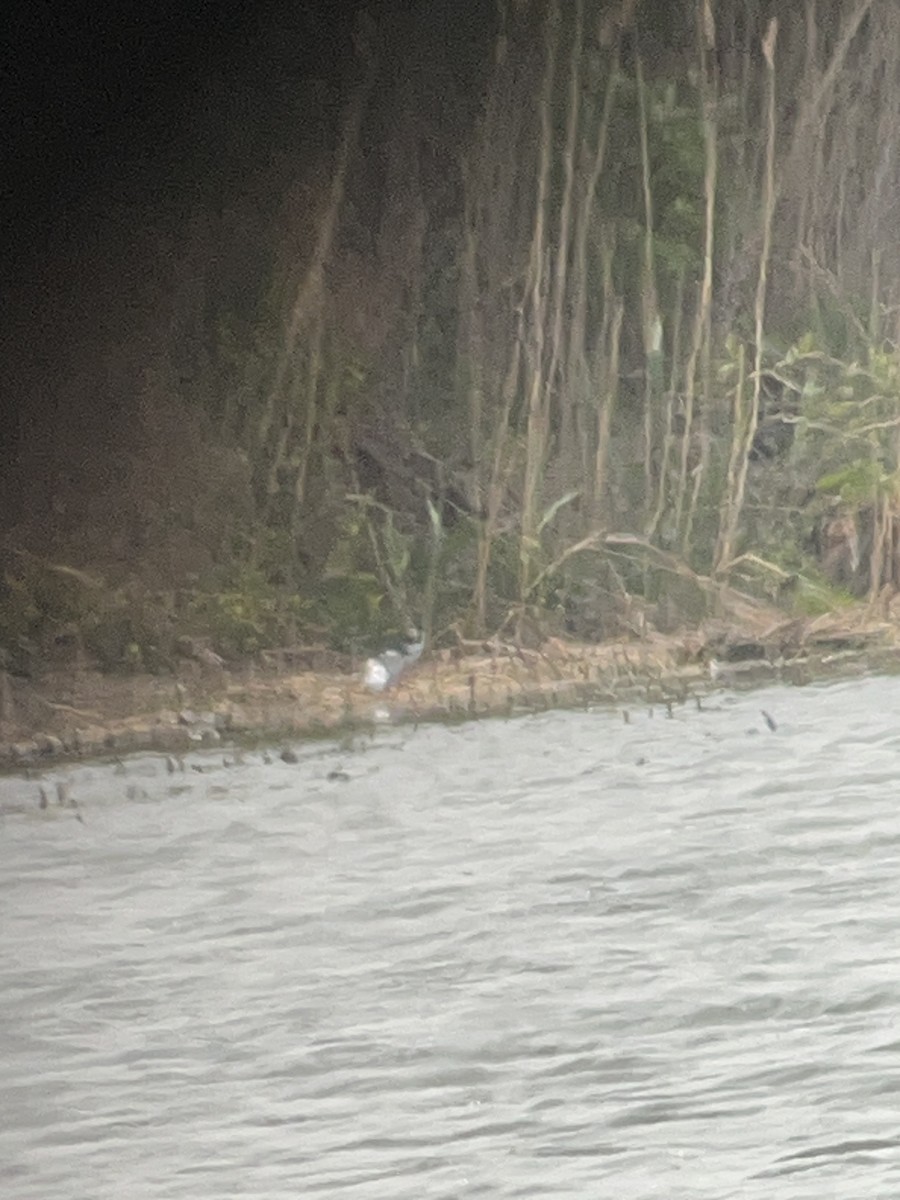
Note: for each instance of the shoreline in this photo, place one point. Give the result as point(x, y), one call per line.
point(67, 715)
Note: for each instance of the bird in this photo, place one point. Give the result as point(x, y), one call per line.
point(385, 669)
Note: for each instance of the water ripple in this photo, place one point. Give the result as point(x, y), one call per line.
point(553, 957)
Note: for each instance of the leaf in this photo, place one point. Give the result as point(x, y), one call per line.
point(554, 508)
point(807, 344)
point(437, 525)
point(854, 483)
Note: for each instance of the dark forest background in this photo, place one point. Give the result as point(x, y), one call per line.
point(532, 317)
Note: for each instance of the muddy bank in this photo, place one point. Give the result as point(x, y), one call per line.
point(83, 713)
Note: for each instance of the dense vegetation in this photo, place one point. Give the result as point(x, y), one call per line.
point(560, 331)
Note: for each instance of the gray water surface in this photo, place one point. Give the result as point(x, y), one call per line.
point(559, 956)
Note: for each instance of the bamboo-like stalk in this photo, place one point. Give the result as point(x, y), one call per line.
point(466, 349)
point(586, 213)
point(702, 335)
point(592, 376)
point(308, 301)
point(738, 447)
point(580, 375)
point(729, 533)
point(805, 89)
point(662, 488)
point(501, 467)
point(556, 372)
point(606, 387)
point(313, 376)
point(824, 88)
point(536, 428)
point(606, 401)
point(492, 314)
point(652, 322)
point(881, 531)
point(820, 165)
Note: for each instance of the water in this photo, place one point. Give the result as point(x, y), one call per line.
point(560, 956)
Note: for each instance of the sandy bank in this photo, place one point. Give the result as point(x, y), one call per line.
point(71, 714)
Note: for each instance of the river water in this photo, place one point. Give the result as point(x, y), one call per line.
point(556, 956)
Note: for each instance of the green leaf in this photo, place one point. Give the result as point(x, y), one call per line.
point(854, 483)
point(437, 525)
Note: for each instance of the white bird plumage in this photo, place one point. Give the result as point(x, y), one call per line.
point(387, 667)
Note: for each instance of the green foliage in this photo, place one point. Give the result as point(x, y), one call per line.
point(848, 416)
point(814, 596)
point(351, 607)
point(129, 631)
point(287, 391)
point(677, 166)
point(42, 603)
point(503, 577)
point(859, 482)
point(248, 614)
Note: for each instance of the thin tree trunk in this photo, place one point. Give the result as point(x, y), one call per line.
point(557, 368)
point(607, 401)
point(729, 533)
point(536, 428)
point(308, 299)
point(652, 322)
point(702, 342)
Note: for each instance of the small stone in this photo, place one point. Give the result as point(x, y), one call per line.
point(23, 751)
point(48, 745)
